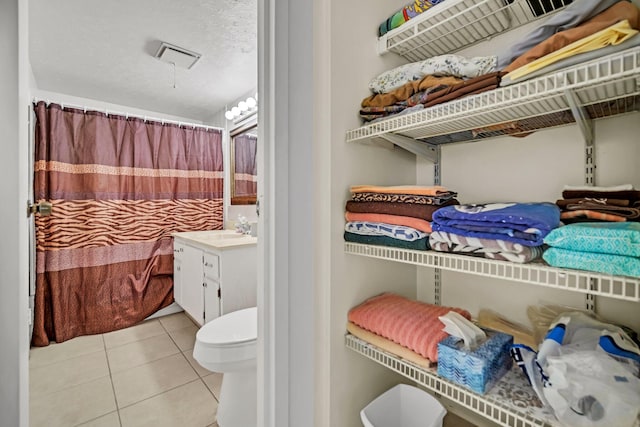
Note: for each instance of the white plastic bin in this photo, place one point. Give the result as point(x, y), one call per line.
point(403, 406)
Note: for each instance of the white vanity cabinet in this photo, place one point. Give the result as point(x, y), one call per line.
point(214, 273)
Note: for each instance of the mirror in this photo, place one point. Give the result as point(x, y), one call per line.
point(244, 172)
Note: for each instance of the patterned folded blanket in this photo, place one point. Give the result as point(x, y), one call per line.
point(418, 245)
point(404, 198)
point(399, 232)
point(418, 224)
point(488, 248)
point(413, 324)
point(611, 238)
point(524, 223)
point(603, 263)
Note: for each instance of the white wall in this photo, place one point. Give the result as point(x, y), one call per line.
point(13, 284)
point(354, 381)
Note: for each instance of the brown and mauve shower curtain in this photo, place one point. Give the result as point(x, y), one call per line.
point(245, 168)
point(119, 187)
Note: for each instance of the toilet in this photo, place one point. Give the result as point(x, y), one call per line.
point(227, 344)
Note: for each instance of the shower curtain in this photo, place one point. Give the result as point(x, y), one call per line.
point(119, 187)
point(245, 167)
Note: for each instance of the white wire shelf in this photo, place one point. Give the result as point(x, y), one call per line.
point(607, 86)
point(511, 402)
point(456, 24)
point(617, 287)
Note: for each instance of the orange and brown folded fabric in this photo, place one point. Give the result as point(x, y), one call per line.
point(616, 13)
point(407, 90)
point(468, 87)
point(599, 205)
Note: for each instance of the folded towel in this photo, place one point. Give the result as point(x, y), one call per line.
point(400, 189)
point(404, 198)
point(525, 223)
point(614, 14)
point(613, 35)
point(418, 224)
point(424, 212)
point(611, 238)
point(417, 245)
point(488, 248)
point(399, 232)
point(603, 263)
point(413, 324)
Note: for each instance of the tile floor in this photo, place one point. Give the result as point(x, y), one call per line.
point(141, 376)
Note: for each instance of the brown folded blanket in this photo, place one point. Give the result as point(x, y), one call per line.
point(626, 212)
point(563, 203)
point(469, 87)
point(616, 13)
point(630, 195)
point(405, 91)
point(392, 208)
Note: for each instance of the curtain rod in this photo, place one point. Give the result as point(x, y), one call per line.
point(127, 115)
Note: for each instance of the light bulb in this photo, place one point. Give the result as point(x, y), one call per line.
point(251, 103)
point(243, 106)
point(229, 115)
point(236, 111)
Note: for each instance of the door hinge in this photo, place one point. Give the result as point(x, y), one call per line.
point(219, 293)
point(204, 285)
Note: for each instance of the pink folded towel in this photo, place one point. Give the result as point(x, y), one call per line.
point(412, 324)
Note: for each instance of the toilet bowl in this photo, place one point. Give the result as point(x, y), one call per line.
point(228, 345)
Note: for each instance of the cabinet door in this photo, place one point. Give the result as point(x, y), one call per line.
point(178, 253)
point(211, 299)
point(192, 284)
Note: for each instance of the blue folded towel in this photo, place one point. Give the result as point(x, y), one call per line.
point(525, 223)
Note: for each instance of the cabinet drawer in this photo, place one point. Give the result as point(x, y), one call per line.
point(211, 265)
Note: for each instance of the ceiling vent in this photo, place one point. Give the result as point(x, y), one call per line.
point(176, 55)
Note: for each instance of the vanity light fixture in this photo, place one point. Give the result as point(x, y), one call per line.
point(243, 110)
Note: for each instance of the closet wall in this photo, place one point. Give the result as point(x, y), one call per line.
point(533, 168)
point(354, 381)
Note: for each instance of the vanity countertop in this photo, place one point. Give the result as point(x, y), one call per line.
point(219, 239)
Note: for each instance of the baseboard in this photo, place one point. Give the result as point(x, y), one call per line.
point(170, 309)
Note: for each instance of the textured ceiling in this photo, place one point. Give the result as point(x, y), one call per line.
point(104, 50)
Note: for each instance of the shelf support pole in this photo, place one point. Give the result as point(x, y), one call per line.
point(437, 273)
point(585, 124)
point(418, 148)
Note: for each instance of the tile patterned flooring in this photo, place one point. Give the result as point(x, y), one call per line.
point(140, 376)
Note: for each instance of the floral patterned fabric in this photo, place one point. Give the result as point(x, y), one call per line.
point(443, 65)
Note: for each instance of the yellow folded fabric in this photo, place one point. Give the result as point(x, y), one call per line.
point(400, 189)
point(612, 35)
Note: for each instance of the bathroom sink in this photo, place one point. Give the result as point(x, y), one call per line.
point(224, 235)
point(218, 238)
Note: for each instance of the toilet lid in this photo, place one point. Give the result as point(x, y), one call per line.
point(232, 328)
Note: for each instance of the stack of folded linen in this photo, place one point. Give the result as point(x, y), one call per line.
point(610, 248)
point(583, 31)
point(397, 216)
point(587, 203)
point(503, 231)
point(426, 83)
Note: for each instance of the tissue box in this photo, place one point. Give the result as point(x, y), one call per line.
point(478, 369)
